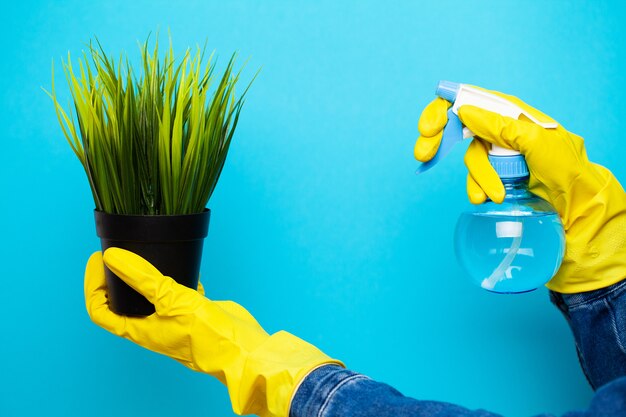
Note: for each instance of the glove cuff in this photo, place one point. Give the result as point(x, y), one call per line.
point(595, 256)
point(272, 373)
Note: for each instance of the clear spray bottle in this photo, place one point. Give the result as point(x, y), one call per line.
point(512, 247)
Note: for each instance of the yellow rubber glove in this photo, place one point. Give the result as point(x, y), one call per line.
point(588, 198)
point(220, 338)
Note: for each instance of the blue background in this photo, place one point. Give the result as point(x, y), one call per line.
point(319, 225)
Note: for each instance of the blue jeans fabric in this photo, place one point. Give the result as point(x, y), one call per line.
point(597, 319)
point(598, 322)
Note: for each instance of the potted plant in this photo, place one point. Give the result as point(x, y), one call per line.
point(153, 145)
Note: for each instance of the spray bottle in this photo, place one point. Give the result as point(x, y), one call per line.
point(512, 247)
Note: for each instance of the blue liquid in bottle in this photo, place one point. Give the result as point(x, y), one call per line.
point(513, 247)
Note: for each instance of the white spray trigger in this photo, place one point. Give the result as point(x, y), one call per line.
point(454, 132)
point(474, 97)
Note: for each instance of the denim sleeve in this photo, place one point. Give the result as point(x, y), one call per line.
point(331, 391)
point(598, 322)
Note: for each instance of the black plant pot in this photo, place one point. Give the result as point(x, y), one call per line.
point(173, 244)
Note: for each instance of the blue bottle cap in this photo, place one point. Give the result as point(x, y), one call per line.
point(509, 167)
point(447, 90)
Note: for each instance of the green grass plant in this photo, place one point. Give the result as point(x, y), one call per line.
point(152, 143)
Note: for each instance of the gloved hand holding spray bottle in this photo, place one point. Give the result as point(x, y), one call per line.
point(515, 246)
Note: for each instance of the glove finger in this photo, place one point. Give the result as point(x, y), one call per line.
point(434, 117)
point(431, 124)
point(140, 330)
point(474, 192)
point(477, 162)
point(500, 130)
point(168, 297)
point(96, 299)
point(200, 288)
point(137, 272)
point(426, 147)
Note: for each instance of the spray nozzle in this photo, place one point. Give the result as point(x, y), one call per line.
point(447, 90)
point(454, 131)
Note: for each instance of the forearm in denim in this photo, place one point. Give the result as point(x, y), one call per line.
point(598, 322)
point(332, 391)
